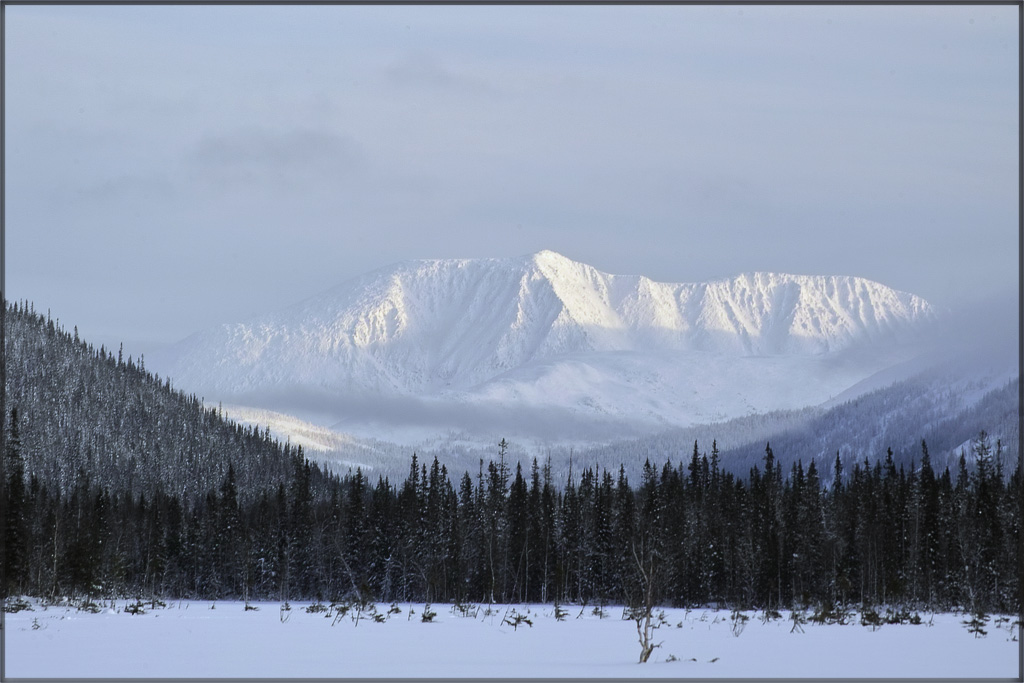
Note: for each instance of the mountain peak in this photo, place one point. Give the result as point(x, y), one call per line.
point(550, 259)
point(542, 326)
point(548, 255)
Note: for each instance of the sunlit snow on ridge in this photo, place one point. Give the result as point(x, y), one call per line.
point(479, 344)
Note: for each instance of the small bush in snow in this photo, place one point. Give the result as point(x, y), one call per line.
point(739, 622)
point(830, 614)
point(90, 607)
point(464, 609)
point(799, 619)
point(977, 623)
point(135, 608)
point(428, 614)
point(631, 613)
point(16, 604)
point(900, 616)
point(869, 617)
point(515, 619)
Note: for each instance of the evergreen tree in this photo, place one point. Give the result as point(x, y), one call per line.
point(15, 547)
point(518, 525)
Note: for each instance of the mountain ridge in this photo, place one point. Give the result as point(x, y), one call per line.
point(460, 321)
point(544, 332)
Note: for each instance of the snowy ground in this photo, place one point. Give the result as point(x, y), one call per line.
point(204, 640)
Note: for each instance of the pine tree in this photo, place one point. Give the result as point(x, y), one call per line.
point(518, 524)
point(231, 537)
point(355, 550)
point(15, 547)
point(985, 513)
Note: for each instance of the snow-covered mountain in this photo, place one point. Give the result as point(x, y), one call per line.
point(537, 342)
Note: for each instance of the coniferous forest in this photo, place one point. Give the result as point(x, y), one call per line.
point(115, 484)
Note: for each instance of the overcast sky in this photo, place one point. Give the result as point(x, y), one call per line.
point(170, 168)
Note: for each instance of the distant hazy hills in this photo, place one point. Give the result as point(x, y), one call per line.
point(545, 346)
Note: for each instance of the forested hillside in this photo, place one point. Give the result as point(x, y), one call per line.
point(939, 409)
point(116, 485)
point(86, 413)
point(947, 411)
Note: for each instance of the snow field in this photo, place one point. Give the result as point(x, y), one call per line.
point(202, 639)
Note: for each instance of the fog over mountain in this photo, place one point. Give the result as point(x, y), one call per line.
point(544, 347)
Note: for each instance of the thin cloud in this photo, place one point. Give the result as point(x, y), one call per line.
point(292, 155)
point(424, 71)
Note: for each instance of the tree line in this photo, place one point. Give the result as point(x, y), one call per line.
point(687, 534)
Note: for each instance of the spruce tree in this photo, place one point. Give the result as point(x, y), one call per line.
point(14, 523)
